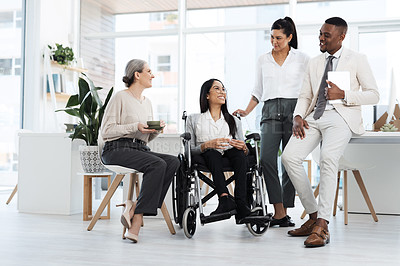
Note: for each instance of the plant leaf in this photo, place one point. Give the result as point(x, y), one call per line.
point(89, 108)
point(83, 89)
point(71, 111)
point(93, 90)
point(102, 109)
point(73, 101)
point(82, 114)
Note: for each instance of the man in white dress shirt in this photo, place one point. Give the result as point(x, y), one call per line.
point(332, 125)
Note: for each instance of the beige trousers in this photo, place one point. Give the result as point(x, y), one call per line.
point(334, 134)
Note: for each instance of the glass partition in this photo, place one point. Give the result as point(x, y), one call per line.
point(10, 90)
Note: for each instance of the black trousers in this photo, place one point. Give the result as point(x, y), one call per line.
point(238, 160)
point(158, 171)
point(276, 127)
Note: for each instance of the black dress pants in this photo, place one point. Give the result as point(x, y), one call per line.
point(238, 161)
point(158, 171)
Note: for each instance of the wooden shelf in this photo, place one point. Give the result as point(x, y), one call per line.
point(76, 69)
point(62, 97)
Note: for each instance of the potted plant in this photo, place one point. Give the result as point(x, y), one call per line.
point(89, 109)
point(62, 55)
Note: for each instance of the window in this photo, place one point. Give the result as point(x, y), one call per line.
point(351, 10)
point(17, 66)
point(5, 67)
point(236, 16)
point(146, 21)
point(164, 63)
point(10, 66)
point(155, 17)
point(164, 16)
point(384, 61)
point(6, 19)
point(10, 89)
point(18, 19)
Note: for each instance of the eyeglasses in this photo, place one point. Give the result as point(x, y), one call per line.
point(219, 90)
point(147, 70)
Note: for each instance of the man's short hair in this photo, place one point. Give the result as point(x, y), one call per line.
point(338, 22)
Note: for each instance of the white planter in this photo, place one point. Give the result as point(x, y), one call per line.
point(90, 159)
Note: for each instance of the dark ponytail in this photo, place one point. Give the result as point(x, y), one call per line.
point(287, 25)
point(204, 106)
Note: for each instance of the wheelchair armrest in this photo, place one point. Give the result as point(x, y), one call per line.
point(186, 136)
point(254, 136)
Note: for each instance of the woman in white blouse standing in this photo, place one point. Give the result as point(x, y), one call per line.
point(126, 134)
point(216, 134)
point(279, 79)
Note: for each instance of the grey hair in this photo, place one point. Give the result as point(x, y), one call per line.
point(135, 65)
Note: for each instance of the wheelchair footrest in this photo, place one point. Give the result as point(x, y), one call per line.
point(261, 220)
point(216, 217)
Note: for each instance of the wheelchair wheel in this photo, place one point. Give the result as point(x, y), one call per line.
point(189, 222)
point(257, 229)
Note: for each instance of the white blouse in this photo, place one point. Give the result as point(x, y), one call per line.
point(195, 124)
point(275, 81)
point(208, 129)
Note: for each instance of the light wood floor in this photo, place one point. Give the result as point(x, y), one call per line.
point(31, 239)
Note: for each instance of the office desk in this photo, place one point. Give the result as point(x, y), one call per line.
point(379, 153)
point(372, 137)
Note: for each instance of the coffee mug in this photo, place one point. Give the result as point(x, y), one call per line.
point(153, 123)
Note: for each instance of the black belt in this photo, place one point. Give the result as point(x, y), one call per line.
point(126, 143)
point(134, 140)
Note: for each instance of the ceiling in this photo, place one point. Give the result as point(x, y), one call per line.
point(144, 6)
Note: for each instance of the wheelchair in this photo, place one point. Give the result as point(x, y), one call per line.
point(186, 190)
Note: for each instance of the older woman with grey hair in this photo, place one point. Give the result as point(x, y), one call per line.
point(126, 134)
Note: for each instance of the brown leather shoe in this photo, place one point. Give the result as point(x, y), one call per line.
point(304, 230)
point(319, 237)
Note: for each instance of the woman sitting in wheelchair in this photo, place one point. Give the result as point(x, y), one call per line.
point(217, 134)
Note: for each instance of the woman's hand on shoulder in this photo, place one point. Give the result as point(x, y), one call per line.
point(143, 128)
point(238, 144)
point(240, 112)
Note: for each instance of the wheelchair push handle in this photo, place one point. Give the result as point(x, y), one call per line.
point(254, 136)
point(186, 136)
